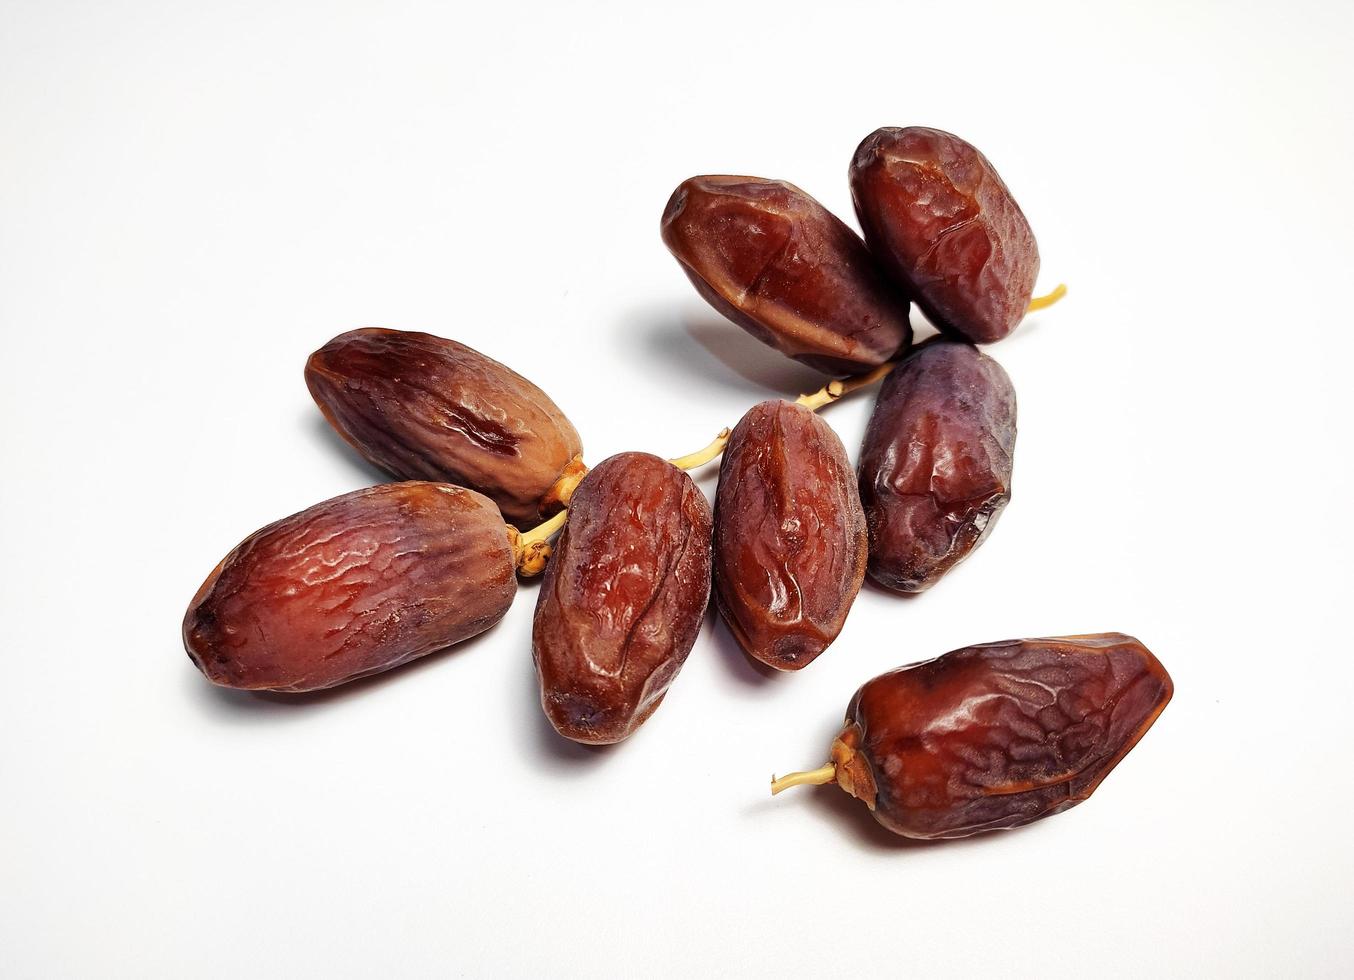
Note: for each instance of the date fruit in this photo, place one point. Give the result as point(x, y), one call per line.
point(939, 219)
point(935, 468)
point(790, 542)
point(994, 736)
point(425, 408)
point(352, 586)
point(781, 266)
point(623, 597)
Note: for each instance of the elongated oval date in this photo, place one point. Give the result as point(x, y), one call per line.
point(781, 266)
point(935, 469)
point(352, 586)
point(425, 408)
point(940, 220)
point(623, 597)
point(997, 735)
point(790, 543)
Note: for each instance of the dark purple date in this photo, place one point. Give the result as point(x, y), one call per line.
point(935, 468)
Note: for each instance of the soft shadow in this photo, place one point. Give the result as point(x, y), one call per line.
point(723, 352)
point(744, 669)
point(555, 748)
point(365, 473)
point(922, 328)
point(231, 705)
point(531, 585)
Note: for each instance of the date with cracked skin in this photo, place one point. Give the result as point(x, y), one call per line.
point(352, 586)
point(425, 408)
point(945, 226)
point(623, 597)
point(784, 268)
point(996, 736)
point(790, 542)
point(935, 468)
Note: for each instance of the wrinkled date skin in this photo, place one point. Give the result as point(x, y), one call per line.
point(935, 468)
point(623, 597)
point(780, 265)
point(998, 735)
point(790, 542)
point(352, 586)
point(939, 219)
point(425, 408)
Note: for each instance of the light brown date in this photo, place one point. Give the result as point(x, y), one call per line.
point(940, 220)
point(623, 597)
point(790, 542)
point(935, 468)
point(425, 408)
point(352, 586)
point(781, 266)
point(994, 736)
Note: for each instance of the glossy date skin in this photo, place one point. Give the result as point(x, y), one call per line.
point(940, 220)
point(935, 466)
point(352, 586)
point(789, 539)
point(623, 597)
point(781, 266)
point(425, 408)
point(996, 736)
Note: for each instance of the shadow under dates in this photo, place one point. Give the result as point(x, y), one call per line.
point(743, 668)
point(364, 474)
point(722, 353)
point(554, 747)
point(231, 705)
point(848, 818)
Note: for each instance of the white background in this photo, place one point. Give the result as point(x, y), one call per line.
point(194, 196)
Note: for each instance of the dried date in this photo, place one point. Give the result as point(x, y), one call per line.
point(994, 736)
point(789, 538)
point(623, 597)
point(425, 408)
point(777, 263)
point(935, 468)
point(352, 586)
point(939, 219)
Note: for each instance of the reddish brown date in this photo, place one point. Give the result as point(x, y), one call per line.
point(780, 265)
point(623, 597)
point(935, 468)
point(940, 220)
point(997, 735)
point(352, 586)
point(790, 544)
point(425, 408)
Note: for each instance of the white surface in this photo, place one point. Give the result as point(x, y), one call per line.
point(194, 196)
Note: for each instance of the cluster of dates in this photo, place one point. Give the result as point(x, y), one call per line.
point(984, 737)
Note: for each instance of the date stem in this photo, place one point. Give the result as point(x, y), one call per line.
point(1048, 299)
point(702, 456)
point(531, 549)
point(813, 777)
point(841, 387)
